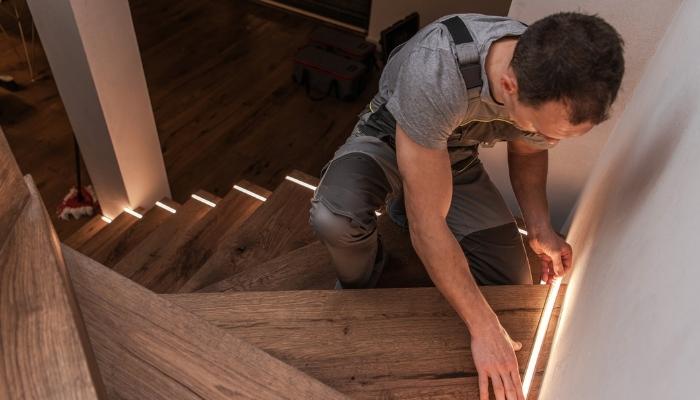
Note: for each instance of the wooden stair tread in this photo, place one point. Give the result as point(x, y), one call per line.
point(305, 268)
point(168, 267)
point(276, 228)
point(86, 232)
point(153, 262)
point(103, 240)
point(111, 254)
point(380, 338)
point(45, 349)
point(150, 348)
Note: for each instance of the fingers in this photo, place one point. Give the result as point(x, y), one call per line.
point(547, 270)
point(557, 264)
point(498, 389)
point(509, 387)
point(515, 375)
point(567, 258)
point(483, 386)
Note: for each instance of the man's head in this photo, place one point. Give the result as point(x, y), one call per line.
point(565, 74)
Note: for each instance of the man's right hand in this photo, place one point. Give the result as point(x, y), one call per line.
point(494, 356)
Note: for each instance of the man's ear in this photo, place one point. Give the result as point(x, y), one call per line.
point(509, 82)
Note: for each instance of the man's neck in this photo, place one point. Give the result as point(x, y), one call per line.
point(497, 63)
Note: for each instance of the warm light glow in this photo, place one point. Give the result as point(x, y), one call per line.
point(166, 207)
point(203, 200)
point(522, 231)
point(377, 213)
point(132, 212)
point(298, 182)
point(106, 219)
point(541, 333)
point(250, 193)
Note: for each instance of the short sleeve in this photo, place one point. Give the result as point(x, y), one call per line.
point(430, 98)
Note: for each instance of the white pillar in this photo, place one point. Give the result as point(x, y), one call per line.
point(94, 57)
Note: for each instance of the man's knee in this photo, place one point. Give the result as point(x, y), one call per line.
point(336, 229)
point(497, 256)
point(352, 188)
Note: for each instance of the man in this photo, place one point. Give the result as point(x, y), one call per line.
point(463, 81)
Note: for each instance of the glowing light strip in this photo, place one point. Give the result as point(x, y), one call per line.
point(203, 200)
point(106, 219)
point(540, 335)
point(166, 207)
point(522, 231)
point(132, 212)
point(302, 183)
point(250, 193)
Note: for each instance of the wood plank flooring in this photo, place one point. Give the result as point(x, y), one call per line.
point(219, 78)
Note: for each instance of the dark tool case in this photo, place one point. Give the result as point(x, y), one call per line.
point(344, 44)
point(327, 73)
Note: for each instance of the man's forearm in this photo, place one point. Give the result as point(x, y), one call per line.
point(528, 177)
point(448, 268)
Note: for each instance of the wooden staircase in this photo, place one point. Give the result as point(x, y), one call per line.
point(227, 298)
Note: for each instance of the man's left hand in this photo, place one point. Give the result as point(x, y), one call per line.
point(554, 253)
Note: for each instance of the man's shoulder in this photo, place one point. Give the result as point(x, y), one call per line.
point(486, 28)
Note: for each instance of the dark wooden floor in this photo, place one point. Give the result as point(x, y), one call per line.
point(219, 77)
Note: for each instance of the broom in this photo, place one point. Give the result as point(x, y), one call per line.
point(80, 201)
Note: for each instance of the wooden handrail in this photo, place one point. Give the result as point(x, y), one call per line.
point(13, 191)
point(44, 349)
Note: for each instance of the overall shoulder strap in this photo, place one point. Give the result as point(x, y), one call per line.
point(466, 51)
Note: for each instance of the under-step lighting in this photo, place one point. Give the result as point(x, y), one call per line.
point(250, 193)
point(106, 219)
point(132, 212)
point(301, 183)
point(166, 207)
point(540, 335)
point(522, 231)
point(203, 200)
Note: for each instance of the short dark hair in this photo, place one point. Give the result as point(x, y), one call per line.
point(570, 57)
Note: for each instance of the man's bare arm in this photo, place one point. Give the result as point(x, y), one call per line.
point(528, 176)
point(427, 182)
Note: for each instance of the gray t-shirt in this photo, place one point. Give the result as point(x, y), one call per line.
point(423, 89)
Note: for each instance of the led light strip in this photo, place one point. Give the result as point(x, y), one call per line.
point(250, 193)
point(106, 219)
point(166, 207)
point(132, 212)
point(302, 183)
point(540, 335)
point(203, 200)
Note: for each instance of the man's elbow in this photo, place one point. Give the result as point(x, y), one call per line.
point(425, 230)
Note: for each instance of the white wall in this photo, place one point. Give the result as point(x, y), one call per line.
point(630, 327)
point(385, 13)
point(641, 24)
point(94, 57)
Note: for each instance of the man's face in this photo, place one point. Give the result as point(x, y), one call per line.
point(550, 120)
